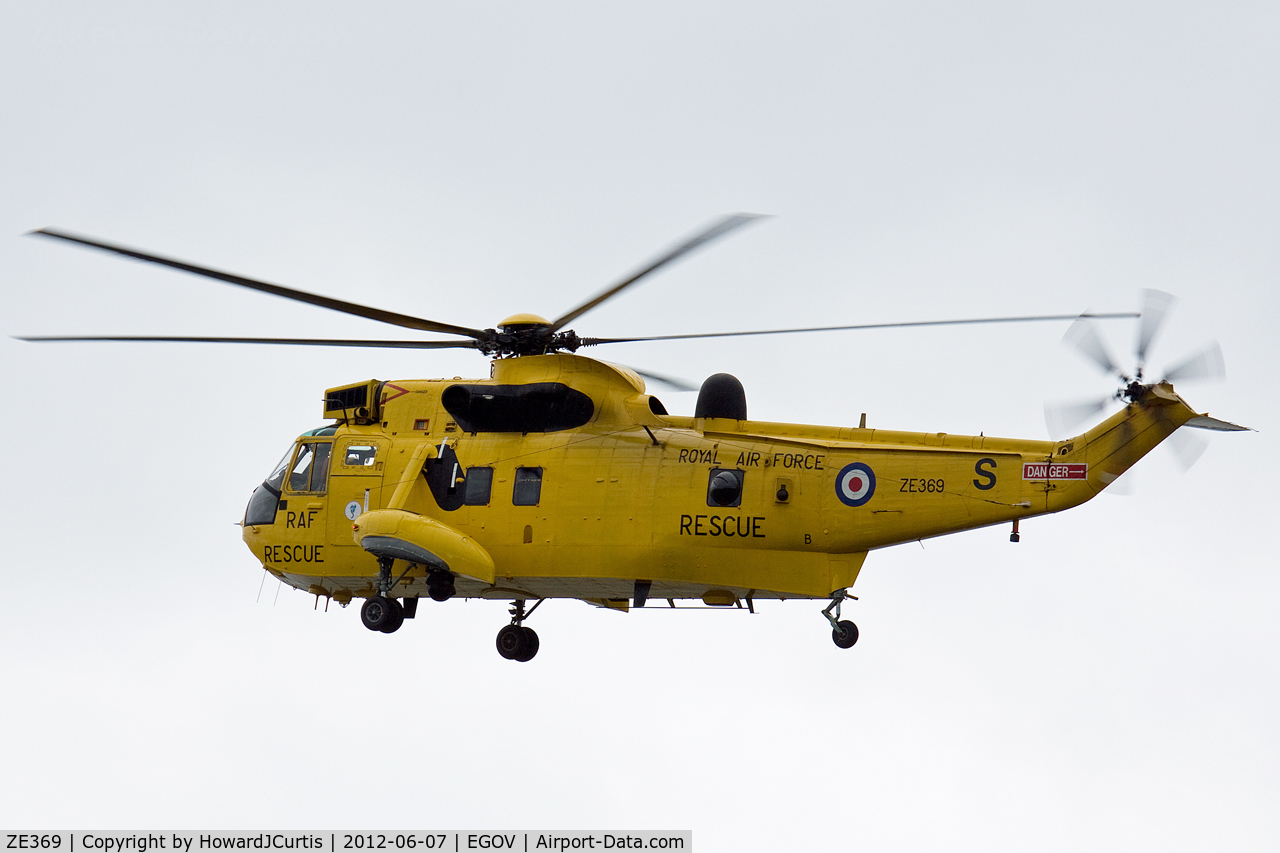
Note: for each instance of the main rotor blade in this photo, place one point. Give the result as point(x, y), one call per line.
point(303, 342)
point(1206, 364)
point(969, 322)
point(672, 382)
point(675, 384)
point(1083, 335)
point(381, 316)
point(719, 229)
point(1155, 307)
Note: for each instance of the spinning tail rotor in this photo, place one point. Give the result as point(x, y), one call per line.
point(1063, 419)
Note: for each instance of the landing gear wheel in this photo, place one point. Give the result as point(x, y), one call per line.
point(845, 634)
point(381, 614)
point(530, 646)
point(512, 642)
point(397, 617)
point(440, 587)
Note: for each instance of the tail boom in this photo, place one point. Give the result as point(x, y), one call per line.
point(1112, 447)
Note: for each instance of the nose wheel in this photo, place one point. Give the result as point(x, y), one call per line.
point(843, 632)
point(515, 641)
point(382, 614)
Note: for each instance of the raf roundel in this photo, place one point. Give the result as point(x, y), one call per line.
point(855, 484)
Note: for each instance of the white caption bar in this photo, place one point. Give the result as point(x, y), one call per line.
point(344, 841)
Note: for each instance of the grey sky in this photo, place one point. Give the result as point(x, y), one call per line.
point(1109, 683)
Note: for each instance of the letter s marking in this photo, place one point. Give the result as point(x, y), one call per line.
point(981, 470)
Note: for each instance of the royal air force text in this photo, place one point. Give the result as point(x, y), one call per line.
point(984, 468)
point(754, 459)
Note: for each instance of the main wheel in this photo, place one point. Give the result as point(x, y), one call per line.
point(512, 641)
point(441, 590)
point(846, 635)
point(397, 617)
point(379, 611)
point(530, 646)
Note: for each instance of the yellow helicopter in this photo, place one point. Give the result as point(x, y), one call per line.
point(559, 476)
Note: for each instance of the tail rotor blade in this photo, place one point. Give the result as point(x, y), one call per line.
point(1205, 364)
point(1063, 419)
point(1083, 336)
point(1155, 307)
point(1188, 447)
point(1125, 486)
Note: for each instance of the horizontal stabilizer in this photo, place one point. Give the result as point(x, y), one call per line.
point(1206, 422)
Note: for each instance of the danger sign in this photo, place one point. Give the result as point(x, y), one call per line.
point(1055, 470)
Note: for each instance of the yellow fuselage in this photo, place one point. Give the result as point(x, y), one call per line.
point(626, 496)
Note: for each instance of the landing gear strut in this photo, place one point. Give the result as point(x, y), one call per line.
point(516, 642)
point(382, 613)
point(843, 632)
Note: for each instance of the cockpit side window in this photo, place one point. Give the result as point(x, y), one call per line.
point(320, 470)
point(360, 455)
point(310, 472)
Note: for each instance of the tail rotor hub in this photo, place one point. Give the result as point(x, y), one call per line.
point(1083, 336)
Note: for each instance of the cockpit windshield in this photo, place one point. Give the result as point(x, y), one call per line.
point(265, 499)
point(276, 480)
point(308, 473)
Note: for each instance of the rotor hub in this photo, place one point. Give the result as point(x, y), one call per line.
point(1134, 392)
point(523, 320)
point(526, 334)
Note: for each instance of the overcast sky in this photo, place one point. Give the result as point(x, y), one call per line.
point(1110, 683)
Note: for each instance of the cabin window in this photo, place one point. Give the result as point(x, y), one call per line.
point(310, 472)
point(724, 487)
point(528, 487)
point(359, 455)
point(479, 484)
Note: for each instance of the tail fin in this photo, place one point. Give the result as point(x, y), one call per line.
point(1153, 414)
point(1206, 422)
